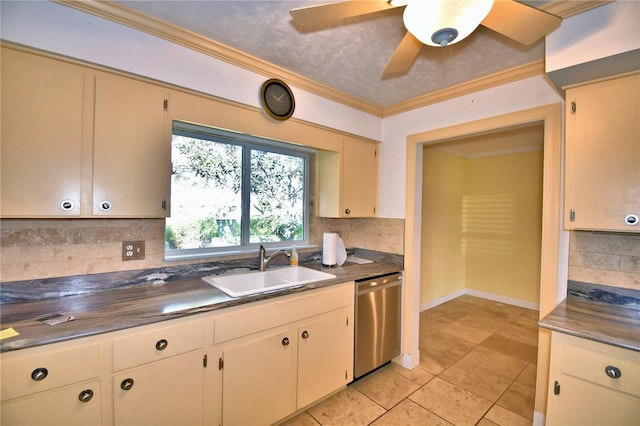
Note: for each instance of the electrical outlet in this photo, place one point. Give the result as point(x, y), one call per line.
point(132, 250)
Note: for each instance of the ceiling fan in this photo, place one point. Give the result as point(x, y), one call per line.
point(438, 22)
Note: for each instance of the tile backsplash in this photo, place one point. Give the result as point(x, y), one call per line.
point(34, 249)
point(605, 258)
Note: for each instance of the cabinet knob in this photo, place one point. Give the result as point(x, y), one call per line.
point(631, 219)
point(105, 206)
point(85, 395)
point(613, 372)
point(162, 344)
point(66, 205)
point(285, 341)
point(126, 384)
point(39, 374)
point(305, 334)
point(347, 211)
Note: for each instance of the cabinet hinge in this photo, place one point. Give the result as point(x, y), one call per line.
point(220, 363)
point(204, 361)
point(165, 104)
point(572, 215)
point(573, 107)
point(556, 388)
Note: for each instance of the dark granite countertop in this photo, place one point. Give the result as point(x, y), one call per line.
point(130, 306)
point(603, 314)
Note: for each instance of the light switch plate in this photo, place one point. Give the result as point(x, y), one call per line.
point(132, 250)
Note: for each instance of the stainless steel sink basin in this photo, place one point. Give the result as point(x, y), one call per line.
point(259, 282)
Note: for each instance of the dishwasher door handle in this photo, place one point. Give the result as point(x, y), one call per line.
point(375, 287)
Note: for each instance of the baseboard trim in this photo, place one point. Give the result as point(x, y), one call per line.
point(483, 295)
point(538, 418)
point(443, 299)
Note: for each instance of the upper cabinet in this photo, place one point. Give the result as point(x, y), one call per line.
point(42, 124)
point(348, 180)
point(77, 142)
point(131, 150)
point(602, 169)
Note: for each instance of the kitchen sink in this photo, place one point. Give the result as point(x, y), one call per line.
point(262, 281)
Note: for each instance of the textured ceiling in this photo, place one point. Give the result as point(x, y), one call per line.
point(348, 57)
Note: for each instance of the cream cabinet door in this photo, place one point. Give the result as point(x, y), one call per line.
point(42, 123)
point(258, 385)
point(325, 356)
point(168, 392)
point(360, 172)
point(581, 403)
point(591, 383)
point(131, 167)
point(603, 155)
point(79, 404)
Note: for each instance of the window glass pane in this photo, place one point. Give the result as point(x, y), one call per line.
point(277, 197)
point(232, 192)
point(205, 194)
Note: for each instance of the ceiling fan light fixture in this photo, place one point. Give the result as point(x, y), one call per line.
point(442, 22)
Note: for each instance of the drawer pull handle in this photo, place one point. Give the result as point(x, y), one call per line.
point(631, 219)
point(126, 384)
point(305, 334)
point(85, 395)
point(285, 341)
point(162, 344)
point(613, 372)
point(39, 374)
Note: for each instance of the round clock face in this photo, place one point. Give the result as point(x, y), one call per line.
point(277, 99)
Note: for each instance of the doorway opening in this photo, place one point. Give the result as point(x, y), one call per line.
point(554, 243)
point(482, 217)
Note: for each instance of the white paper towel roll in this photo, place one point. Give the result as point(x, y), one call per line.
point(329, 248)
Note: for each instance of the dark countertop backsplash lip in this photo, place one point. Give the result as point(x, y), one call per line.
point(604, 314)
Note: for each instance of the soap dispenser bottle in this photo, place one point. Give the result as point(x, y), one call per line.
point(294, 256)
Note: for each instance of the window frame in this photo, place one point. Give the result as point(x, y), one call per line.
point(247, 142)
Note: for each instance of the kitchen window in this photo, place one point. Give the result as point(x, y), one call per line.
point(231, 193)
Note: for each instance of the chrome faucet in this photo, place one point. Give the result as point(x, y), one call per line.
point(264, 260)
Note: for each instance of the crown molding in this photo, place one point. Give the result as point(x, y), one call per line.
point(126, 16)
point(497, 79)
point(565, 9)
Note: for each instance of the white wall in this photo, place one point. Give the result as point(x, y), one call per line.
point(598, 33)
point(517, 96)
point(63, 30)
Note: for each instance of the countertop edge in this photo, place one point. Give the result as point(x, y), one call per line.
point(609, 324)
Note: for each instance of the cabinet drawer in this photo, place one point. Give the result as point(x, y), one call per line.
point(78, 404)
point(280, 311)
point(49, 370)
point(588, 360)
point(144, 347)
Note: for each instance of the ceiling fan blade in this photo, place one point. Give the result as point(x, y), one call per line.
point(522, 23)
point(332, 12)
point(403, 57)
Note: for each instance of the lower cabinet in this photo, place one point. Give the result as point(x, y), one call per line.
point(258, 384)
point(592, 383)
point(166, 392)
point(52, 385)
point(78, 404)
point(253, 364)
point(302, 351)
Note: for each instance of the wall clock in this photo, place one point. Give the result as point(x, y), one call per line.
point(277, 99)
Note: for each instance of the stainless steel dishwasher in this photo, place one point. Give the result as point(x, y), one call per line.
point(377, 326)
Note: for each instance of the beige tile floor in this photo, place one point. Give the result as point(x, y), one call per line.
point(477, 367)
